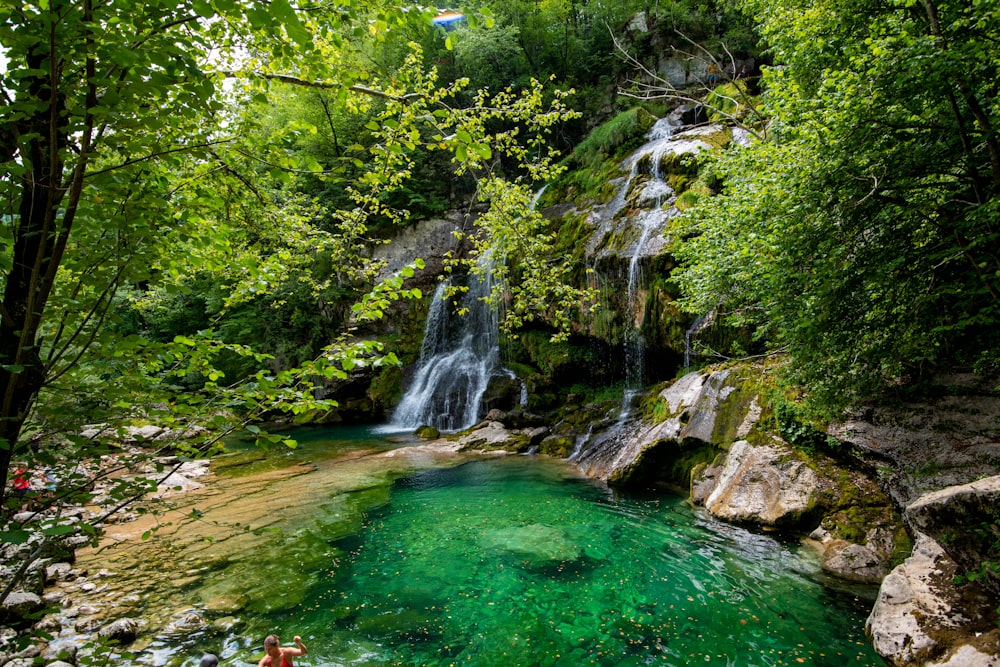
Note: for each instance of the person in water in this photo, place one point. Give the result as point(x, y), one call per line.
point(281, 657)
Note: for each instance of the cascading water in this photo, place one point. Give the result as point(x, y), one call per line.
point(607, 447)
point(688, 346)
point(457, 359)
point(654, 195)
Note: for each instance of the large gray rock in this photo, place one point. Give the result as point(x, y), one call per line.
point(700, 410)
point(765, 484)
point(866, 563)
point(908, 604)
point(124, 630)
point(963, 520)
point(64, 651)
point(18, 605)
point(919, 616)
point(857, 562)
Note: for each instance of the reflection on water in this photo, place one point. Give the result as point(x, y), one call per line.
point(381, 555)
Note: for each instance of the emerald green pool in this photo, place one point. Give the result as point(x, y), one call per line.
point(517, 561)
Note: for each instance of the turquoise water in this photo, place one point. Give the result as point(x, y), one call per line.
point(516, 561)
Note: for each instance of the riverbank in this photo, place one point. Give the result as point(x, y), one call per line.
point(219, 531)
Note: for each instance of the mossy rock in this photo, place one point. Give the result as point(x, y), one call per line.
point(559, 446)
point(386, 387)
point(427, 432)
point(718, 140)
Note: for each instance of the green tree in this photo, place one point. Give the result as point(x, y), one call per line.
point(136, 164)
point(863, 236)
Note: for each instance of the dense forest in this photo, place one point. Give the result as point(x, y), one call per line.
point(192, 190)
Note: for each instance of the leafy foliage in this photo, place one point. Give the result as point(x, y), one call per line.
point(157, 207)
point(862, 237)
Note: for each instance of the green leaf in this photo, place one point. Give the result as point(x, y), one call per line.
point(284, 12)
point(16, 536)
point(203, 8)
point(483, 150)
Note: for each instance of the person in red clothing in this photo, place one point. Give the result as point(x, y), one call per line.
point(275, 656)
point(22, 483)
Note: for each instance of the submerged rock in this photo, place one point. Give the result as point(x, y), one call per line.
point(702, 409)
point(534, 545)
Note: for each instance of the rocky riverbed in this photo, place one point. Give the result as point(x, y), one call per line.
point(209, 547)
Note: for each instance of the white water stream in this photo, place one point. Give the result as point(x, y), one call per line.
point(458, 357)
point(655, 198)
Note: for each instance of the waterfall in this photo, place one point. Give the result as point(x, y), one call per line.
point(688, 335)
point(700, 323)
point(458, 356)
point(654, 194)
point(602, 452)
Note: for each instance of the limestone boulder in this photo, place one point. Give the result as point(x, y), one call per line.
point(704, 409)
point(63, 650)
point(176, 483)
point(867, 562)
point(963, 520)
point(18, 605)
point(920, 618)
point(123, 630)
point(494, 436)
point(763, 484)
